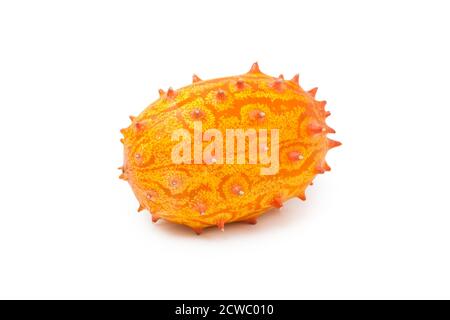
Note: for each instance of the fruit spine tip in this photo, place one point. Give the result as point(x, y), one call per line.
point(255, 68)
point(155, 218)
point(296, 79)
point(141, 208)
point(316, 128)
point(321, 104)
point(278, 83)
point(171, 93)
point(240, 84)
point(319, 169)
point(139, 125)
point(313, 92)
point(198, 231)
point(302, 196)
point(252, 221)
point(220, 95)
point(333, 143)
point(195, 78)
point(221, 225)
point(295, 156)
point(161, 93)
point(277, 202)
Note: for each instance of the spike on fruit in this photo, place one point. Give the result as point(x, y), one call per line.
point(281, 77)
point(255, 68)
point(277, 202)
point(240, 84)
point(221, 225)
point(302, 196)
point(231, 192)
point(155, 218)
point(195, 78)
point(278, 84)
point(197, 114)
point(132, 118)
point(321, 105)
point(201, 208)
point(319, 169)
point(237, 190)
point(123, 176)
point(139, 125)
point(313, 92)
point(141, 208)
point(171, 93)
point(330, 130)
point(252, 221)
point(161, 93)
point(295, 156)
point(220, 94)
point(257, 115)
point(198, 231)
point(316, 128)
point(326, 167)
point(333, 144)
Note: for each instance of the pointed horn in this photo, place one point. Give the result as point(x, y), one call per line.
point(302, 196)
point(221, 225)
point(316, 128)
point(296, 79)
point(198, 231)
point(313, 92)
point(330, 130)
point(195, 79)
point(255, 68)
point(321, 104)
point(171, 93)
point(333, 144)
point(319, 169)
point(277, 202)
point(252, 221)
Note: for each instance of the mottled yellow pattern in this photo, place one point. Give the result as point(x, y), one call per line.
point(205, 195)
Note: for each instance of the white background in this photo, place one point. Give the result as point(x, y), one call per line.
point(377, 226)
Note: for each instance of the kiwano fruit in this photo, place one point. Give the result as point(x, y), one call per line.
point(207, 190)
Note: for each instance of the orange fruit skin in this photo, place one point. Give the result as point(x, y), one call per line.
point(205, 195)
